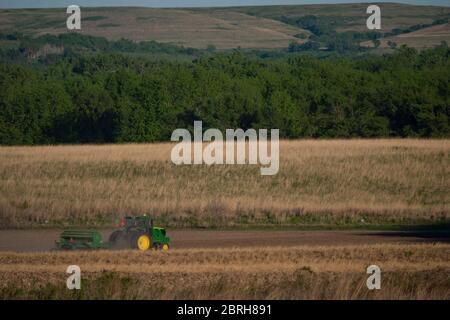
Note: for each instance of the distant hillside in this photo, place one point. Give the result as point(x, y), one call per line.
point(350, 17)
point(224, 30)
point(246, 27)
point(423, 38)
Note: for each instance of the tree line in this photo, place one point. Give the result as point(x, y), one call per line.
point(106, 97)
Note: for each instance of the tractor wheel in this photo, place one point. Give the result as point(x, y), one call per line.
point(141, 241)
point(165, 247)
point(117, 239)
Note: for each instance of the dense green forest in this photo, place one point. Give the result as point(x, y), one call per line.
point(105, 96)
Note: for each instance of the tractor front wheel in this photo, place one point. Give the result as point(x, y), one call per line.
point(141, 241)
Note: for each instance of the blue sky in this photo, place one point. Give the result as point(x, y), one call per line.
point(187, 3)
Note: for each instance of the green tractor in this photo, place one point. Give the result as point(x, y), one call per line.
point(135, 233)
point(139, 233)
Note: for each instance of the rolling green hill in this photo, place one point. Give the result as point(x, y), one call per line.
point(264, 27)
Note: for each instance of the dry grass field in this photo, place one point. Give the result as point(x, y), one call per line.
point(333, 272)
point(319, 183)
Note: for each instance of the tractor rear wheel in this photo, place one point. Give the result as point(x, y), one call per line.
point(141, 241)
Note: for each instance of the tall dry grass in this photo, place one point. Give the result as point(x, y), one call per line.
point(408, 272)
point(319, 182)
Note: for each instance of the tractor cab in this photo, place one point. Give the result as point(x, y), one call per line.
point(129, 223)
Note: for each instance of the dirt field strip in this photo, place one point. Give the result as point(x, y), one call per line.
point(44, 240)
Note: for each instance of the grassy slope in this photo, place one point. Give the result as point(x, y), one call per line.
point(352, 17)
point(246, 27)
point(424, 38)
point(178, 26)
